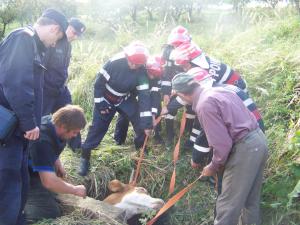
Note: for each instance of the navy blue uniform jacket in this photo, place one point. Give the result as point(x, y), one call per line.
point(21, 76)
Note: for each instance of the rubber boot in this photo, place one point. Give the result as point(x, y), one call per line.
point(170, 134)
point(84, 163)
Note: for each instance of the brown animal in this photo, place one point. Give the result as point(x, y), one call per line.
point(134, 200)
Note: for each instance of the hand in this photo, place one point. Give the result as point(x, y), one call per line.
point(207, 172)
point(166, 100)
point(148, 132)
point(153, 120)
point(105, 111)
point(164, 111)
point(195, 165)
point(32, 134)
point(80, 190)
point(59, 169)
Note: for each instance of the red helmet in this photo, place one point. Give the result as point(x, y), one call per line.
point(185, 53)
point(201, 77)
point(136, 53)
point(179, 35)
point(154, 66)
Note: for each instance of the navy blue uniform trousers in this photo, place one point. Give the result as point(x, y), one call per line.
point(101, 122)
point(14, 181)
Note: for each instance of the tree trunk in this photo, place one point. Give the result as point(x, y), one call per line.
point(134, 13)
point(150, 14)
point(297, 5)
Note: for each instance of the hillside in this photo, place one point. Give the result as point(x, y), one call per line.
point(266, 50)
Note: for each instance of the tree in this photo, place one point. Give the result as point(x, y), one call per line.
point(8, 13)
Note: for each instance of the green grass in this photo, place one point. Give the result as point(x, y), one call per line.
point(266, 51)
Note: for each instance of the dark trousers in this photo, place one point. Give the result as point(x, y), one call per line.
point(41, 203)
point(121, 129)
point(13, 181)
point(101, 123)
point(190, 117)
point(51, 103)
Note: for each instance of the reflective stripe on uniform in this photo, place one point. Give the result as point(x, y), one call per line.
point(201, 149)
point(190, 116)
point(248, 102)
point(105, 74)
point(113, 91)
point(193, 139)
point(169, 117)
point(146, 113)
point(154, 110)
point(166, 83)
point(181, 101)
point(142, 87)
point(225, 76)
point(195, 131)
point(155, 89)
point(98, 100)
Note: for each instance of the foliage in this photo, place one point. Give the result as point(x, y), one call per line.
point(262, 44)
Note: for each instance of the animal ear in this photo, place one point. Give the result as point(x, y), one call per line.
point(116, 186)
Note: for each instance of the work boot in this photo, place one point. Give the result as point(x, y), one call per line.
point(84, 167)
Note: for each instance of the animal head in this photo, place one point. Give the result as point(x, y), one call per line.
point(134, 200)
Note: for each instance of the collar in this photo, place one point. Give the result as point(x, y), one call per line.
point(196, 95)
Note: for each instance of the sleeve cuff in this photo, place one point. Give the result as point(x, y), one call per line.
point(27, 125)
point(212, 166)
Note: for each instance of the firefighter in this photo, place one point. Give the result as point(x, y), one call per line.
point(21, 78)
point(56, 93)
point(119, 81)
point(154, 68)
point(188, 56)
point(201, 151)
point(178, 36)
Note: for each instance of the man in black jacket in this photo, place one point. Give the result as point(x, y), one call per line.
point(56, 93)
point(46, 170)
point(21, 78)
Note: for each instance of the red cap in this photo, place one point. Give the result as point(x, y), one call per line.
point(179, 35)
point(185, 53)
point(136, 53)
point(154, 66)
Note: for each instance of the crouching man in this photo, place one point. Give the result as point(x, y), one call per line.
point(46, 171)
point(238, 145)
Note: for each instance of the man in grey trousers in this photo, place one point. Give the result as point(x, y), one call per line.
point(239, 147)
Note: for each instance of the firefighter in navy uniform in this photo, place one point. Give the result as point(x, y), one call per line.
point(21, 79)
point(117, 84)
point(201, 152)
point(154, 68)
point(178, 36)
point(56, 93)
point(189, 55)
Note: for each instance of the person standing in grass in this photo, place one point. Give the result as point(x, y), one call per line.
point(56, 93)
point(21, 78)
point(239, 147)
point(46, 171)
point(154, 67)
point(117, 84)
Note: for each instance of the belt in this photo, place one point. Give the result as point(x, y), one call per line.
point(250, 134)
